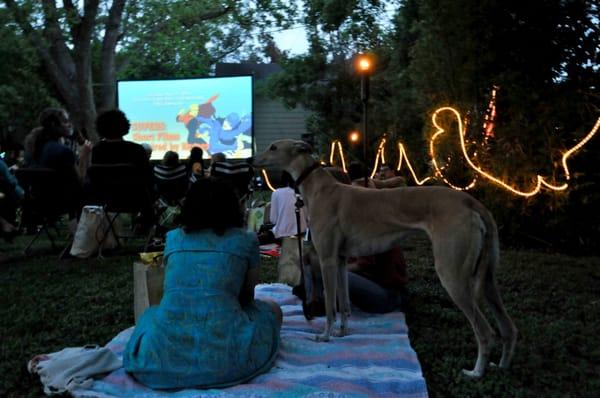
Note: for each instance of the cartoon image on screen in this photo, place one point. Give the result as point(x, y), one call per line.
point(230, 134)
point(175, 115)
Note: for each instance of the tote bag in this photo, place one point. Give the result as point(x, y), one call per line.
point(90, 230)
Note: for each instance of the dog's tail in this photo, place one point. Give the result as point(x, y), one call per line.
point(489, 255)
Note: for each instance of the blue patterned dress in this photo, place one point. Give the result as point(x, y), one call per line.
point(200, 335)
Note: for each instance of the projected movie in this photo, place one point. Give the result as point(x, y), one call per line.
point(213, 113)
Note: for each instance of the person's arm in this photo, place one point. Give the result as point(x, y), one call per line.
point(252, 274)
point(273, 210)
point(247, 292)
point(85, 159)
point(393, 182)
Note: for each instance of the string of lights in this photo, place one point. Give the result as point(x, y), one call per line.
point(541, 182)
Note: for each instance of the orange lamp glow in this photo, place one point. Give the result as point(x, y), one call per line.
point(364, 64)
point(354, 136)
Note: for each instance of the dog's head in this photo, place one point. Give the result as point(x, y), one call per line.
point(284, 154)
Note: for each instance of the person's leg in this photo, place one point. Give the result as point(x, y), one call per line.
point(370, 297)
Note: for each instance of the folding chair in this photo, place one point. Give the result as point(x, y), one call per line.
point(121, 188)
point(238, 174)
point(46, 200)
point(171, 187)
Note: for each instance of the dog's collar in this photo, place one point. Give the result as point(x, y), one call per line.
point(306, 172)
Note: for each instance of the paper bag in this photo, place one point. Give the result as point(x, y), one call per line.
point(148, 282)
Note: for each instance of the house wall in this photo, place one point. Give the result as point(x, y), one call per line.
point(273, 121)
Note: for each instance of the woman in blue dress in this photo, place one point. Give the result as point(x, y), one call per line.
point(207, 331)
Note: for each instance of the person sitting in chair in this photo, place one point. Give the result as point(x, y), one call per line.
point(195, 164)
point(112, 126)
point(170, 170)
point(49, 151)
point(208, 330)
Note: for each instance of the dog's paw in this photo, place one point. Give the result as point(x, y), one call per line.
point(472, 374)
point(341, 332)
point(322, 337)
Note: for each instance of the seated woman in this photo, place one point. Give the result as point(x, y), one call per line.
point(49, 151)
point(377, 284)
point(195, 164)
point(208, 331)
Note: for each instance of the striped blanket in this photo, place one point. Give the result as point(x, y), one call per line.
point(375, 360)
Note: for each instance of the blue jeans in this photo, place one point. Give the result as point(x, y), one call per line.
point(370, 297)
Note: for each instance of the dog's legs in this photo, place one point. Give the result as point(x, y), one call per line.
point(454, 263)
point(329, 270)
point(466, 301)
point(343, 298)
point(507, 328)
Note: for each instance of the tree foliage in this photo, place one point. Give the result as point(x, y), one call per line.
point(543, 56)
point(23, 89)
point(85, 45)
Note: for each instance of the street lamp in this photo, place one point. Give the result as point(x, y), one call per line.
point(354, 136)
point(364, 67)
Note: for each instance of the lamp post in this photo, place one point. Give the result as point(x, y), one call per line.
point(364, 65)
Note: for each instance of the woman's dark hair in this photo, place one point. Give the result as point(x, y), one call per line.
point(339, 175)
point(52, 127)
point(356, 170)
point(170, 159)
point(196, 154)
point(112, 124)
point(286, 179)
point(51, 119)
point(211, 204)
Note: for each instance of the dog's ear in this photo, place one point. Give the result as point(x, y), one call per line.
point(301, 147)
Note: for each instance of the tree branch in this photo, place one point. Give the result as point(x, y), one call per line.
point(188, 22)
point(88, 21)
point(57, 75)
point(192, 20)
point(58, 46)
point(109, 43)
point(219, 57)
point(73, 17)
point(83, 65)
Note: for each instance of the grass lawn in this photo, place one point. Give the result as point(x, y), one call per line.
point(47, 304)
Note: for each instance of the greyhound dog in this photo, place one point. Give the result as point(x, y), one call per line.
point(356, 221)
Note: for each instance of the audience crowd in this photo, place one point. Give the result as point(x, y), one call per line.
point(212, 261)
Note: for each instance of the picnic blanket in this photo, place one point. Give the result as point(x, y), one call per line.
point(375, 360)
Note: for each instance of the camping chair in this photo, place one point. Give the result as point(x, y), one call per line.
point(121, 188)
point(45, 201)
point(171, 188)
point(238, 174)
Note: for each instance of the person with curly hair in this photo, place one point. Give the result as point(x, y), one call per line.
point(112, 126)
